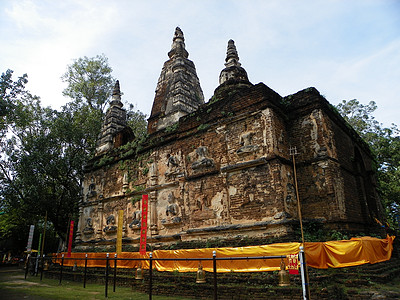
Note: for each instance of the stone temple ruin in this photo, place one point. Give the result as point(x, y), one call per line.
point(223, 169)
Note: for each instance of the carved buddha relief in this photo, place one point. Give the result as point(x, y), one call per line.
point(110, 227)
point(88, 230)
point(136, 220)
point(172, 212)
point(203, 161)
point(173, 166)
point(246, 142)
point(91, 189)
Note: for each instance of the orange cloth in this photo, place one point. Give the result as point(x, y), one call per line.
point(321, 255)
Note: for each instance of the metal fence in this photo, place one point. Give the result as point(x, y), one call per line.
point(36, 266)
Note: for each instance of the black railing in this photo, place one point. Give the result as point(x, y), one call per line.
point(214, 260)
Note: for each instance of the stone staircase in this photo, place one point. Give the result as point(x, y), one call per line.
point(343, 283)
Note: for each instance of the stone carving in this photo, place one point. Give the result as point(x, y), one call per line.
point(173, 166)
point(136, 220)
point(282, 215)
point(92, 189)
point(246, 140)
point(125, 181)
point(172, 212)
point(89, 227)
point(203, 161)
point(153, 170)
point(110, 221)
point(201, 210)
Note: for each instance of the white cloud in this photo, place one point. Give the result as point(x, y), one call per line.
point(346, 50)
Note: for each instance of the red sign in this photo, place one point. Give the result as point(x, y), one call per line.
point(293, 265)
point(71, 234)
point(143, 225)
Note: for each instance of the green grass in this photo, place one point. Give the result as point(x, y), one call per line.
point(13, 282)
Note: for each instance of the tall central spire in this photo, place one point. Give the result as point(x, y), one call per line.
point(178, 91)
point(178, 45)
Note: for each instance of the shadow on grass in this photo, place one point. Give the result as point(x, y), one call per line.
point(14, 286)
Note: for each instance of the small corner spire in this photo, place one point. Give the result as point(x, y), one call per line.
point(116, 90)
point(178, 45)
point(116, 95)
point(232, 57)
point(233, 72)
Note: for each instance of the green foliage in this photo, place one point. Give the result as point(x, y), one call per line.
point(313, 231)
point(213, 99)
point(145, 170)
point(42, 154)
point(43, 150)
point(360, 117)
point(337, 236)
point(89, 80)
point(105, 160)
point(139, 188)
point(203, 127)
point(137, 122)
point(135, 199)
point(172, 128)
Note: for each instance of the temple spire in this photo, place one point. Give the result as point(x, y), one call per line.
point(232, 57)
point(178, 45)
point(116, 96)
point(114, 122)
point(178, 91)
point(233, 72)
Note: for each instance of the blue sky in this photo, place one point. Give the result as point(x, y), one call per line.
point(346, 49)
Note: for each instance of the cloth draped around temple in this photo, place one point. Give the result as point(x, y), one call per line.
point(321, 255)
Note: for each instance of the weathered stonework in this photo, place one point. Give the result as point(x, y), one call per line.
point(223, 169)
point(178, 91)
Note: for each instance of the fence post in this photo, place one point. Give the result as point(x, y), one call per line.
point(62, 265)
point(37, 264)
point(115, 270)
point(215, 274)
point(304, 282)
point(106, 286)
point(85, 272)
point(41, 269)
point(27, 265)
point(150, 275)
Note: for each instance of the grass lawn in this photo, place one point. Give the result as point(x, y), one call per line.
point(14, 286)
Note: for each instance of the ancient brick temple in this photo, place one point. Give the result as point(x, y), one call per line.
point(224, 169)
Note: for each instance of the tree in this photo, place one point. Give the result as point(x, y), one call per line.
point(385, 145)
point(137, 122)
point(43, 150)
point(9, 91)
point(42, 154)
point(89, 80)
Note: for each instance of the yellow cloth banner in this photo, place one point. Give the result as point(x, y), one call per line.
point(118, 246)
point(321, 255)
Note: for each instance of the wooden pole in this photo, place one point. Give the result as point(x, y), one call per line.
point(297, 196)
point(307, 295)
